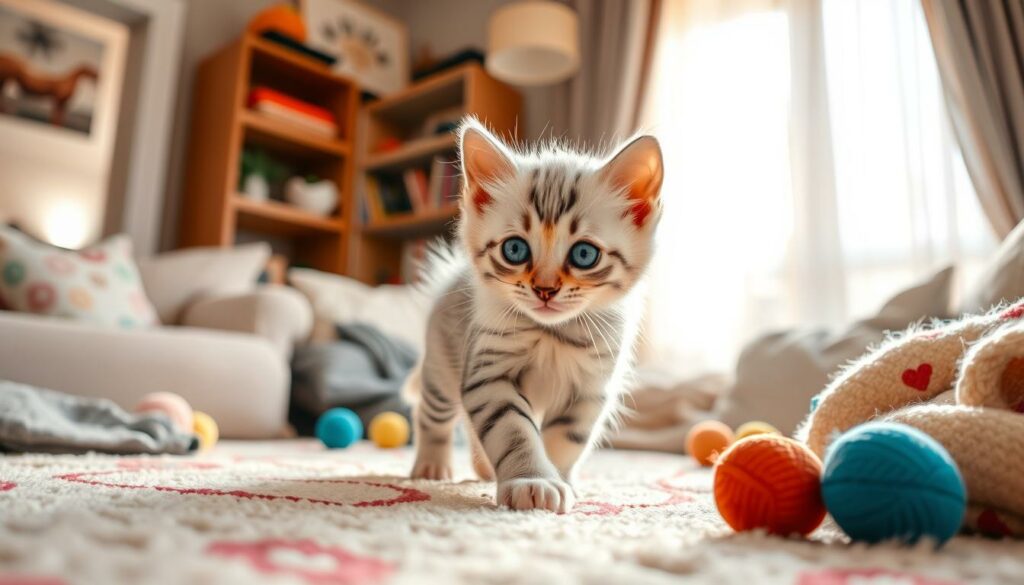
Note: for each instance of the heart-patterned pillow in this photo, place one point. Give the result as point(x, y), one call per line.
point(99, 284)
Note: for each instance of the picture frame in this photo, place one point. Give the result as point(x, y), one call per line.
point(52, 69)
point(371, 46)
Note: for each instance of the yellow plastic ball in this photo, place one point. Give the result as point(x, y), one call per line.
point(389, 430)
point(205, 427)
point(707, 439)
point(755, 427)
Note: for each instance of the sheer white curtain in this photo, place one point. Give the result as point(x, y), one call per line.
point(811, 171)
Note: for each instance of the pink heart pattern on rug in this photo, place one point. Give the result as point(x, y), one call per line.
point(306, 560)
point(360, 493)
point(919, 378)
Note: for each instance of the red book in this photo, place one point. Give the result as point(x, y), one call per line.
point(264, 95)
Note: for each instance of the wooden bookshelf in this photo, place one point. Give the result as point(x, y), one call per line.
point(222, 126)
point(377, 244)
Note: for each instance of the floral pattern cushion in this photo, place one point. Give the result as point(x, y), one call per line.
point(99, 284)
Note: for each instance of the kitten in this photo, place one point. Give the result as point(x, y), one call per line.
point(533, 337)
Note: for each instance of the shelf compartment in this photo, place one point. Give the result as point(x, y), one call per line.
point(411, 225)
point(282, 136)
point(414, 153)
point(433, 94)
point(280, 218)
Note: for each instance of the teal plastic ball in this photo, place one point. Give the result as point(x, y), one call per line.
point(815, 400)
point(888, 481)
point(338, 428)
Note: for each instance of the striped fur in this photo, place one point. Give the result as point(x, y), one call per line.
point(533, 356)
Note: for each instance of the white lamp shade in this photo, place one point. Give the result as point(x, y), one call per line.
point(533, 42)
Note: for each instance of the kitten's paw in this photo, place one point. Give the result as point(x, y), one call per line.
point(431, 470)
point(483, 468)
point(536, 493)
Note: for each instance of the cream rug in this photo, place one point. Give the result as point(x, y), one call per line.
point(290, 512)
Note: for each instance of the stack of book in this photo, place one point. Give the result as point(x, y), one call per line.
point(413, 191)
point(275, 104)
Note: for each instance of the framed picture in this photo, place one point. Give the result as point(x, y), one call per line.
point(371, 46)
point(49, 71)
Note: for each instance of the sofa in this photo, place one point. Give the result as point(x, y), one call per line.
point(224, 343)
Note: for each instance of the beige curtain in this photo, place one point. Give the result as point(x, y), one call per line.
point(599, 104)
point(979, 46)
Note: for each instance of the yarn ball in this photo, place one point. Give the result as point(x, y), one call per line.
point(707, 439)
point(173, 406)
point(338, 428)
point(206, 429)
point(769, 482)
point(389, 430)
point(755, 427)
point(889, 481)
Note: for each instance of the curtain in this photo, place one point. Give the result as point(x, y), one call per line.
point(980, 50)
point(599, 105)
point(811, 171)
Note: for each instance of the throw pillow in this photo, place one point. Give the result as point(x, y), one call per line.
point(778, 373)
point(1002, 278)
point(175, 279)
point(99, 284)
point(400, 311)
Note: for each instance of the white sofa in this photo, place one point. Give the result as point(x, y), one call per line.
point(227, 351)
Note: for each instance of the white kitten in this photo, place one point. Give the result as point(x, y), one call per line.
point(533, 337)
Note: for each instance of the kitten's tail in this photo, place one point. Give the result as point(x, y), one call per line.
point(443, 264)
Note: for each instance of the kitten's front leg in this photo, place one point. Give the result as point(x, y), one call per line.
point(505, 424)
point(570, 433)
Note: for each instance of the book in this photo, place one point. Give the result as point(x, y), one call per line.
point(375, 207)
point(422, 187)
point(394, 197)
point(436, 176)
point(284, 107)
point(409, 180)
point(444, 181)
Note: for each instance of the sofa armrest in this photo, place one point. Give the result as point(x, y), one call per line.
point(278, 313)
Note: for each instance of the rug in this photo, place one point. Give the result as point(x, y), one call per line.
point(292, 512)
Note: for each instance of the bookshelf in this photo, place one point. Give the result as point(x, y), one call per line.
point(214, 209)
point(415, 124)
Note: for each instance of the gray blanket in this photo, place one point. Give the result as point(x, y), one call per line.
point(38, 420)
point(364, 371)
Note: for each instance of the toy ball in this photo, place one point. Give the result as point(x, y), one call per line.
point(389, 430)
point(815, 401)
point(707, 439)
point(769, 482)
point(755, 427)
point(338, 428)
point(206, 429)
point(282, 19)
point(172, 405)
point(888, 481)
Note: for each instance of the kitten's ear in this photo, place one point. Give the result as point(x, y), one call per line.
point(638, 169)
point(485, 161)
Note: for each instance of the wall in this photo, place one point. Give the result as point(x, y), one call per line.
point(445, 26)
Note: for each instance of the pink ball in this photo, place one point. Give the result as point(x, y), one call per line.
point(172, 405)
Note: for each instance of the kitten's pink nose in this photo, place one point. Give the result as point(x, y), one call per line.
point(545, 293)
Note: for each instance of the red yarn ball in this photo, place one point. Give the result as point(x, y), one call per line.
point(769, 482)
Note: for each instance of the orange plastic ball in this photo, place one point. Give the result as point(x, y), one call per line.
point(707, 439)
point(770, 482)
point(282, 18)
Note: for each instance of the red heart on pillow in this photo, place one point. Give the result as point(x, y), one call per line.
point(918, 379)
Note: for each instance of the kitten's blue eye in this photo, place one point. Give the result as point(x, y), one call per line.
point(515, 250)
point(583, 255)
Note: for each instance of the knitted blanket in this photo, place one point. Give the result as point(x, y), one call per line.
point(962, 382)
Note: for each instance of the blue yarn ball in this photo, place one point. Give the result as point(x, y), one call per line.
point(338, 428)
point(815, 400)
point(888, 481)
